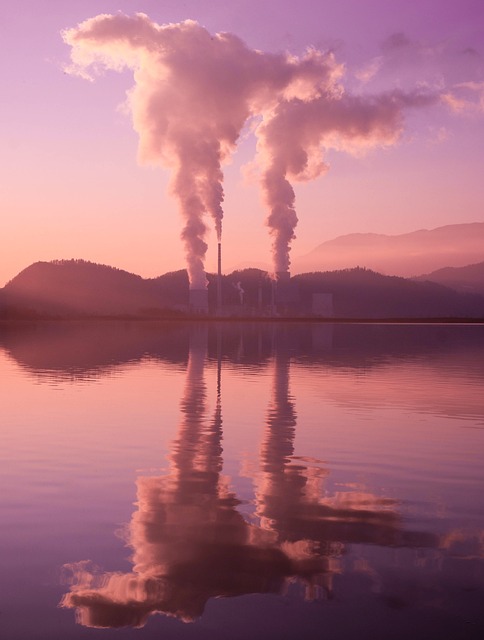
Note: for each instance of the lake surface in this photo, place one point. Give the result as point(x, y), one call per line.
point(231, 481)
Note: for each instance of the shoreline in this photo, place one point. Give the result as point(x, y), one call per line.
point(241, 319)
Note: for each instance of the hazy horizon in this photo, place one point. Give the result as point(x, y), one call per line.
point(383, 253)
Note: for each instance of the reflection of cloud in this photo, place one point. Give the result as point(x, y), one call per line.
point(73, 351)
point(466, 545)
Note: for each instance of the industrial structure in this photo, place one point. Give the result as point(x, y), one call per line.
point(198, 301)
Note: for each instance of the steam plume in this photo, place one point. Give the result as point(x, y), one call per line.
point(293, 139)
point(194, 92)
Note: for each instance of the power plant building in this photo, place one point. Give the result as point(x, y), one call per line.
point(322, 305)
point(198, 301)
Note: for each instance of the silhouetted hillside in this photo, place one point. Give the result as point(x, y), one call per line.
point(408, 254)
point(240, 289)
point(171, 287)
point(65, 287)
point(75, 288)
point(469, 279)
point(364, 293)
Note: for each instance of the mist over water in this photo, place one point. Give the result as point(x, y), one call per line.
point(253, 480)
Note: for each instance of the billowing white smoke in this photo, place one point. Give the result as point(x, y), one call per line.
point(294, 136)
point(192, 95)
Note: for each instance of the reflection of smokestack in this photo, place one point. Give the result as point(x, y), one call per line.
point(198, 301)
point(281, 422)
point(219, 278)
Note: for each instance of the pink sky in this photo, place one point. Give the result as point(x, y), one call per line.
point(71, 186)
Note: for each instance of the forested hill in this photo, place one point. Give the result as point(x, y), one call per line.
point(361, 293)
point(76, 288)
point(468, 279)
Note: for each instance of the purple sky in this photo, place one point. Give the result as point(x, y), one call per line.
point(71, 185)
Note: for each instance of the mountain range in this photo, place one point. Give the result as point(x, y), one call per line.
point(76, 288)
point(468, 279)
point(407, 255)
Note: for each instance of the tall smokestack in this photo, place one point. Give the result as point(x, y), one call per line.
point(219, 278)
point(273, 297)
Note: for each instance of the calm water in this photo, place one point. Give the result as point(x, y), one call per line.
point(241, 481)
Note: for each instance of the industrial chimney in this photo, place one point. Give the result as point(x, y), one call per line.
point(283, 286)
point(219, 279)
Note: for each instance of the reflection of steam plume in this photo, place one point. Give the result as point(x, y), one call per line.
point(278, 446)
point(284, 485)
point(196, 460)
point(309, 526)
point(193, 94)
point(173, 515)
point(189, 541)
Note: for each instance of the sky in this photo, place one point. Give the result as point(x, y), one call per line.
point(71, 185)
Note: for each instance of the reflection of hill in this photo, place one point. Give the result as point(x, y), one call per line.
point(400, 353)
point(189, 541)
point(78, 347)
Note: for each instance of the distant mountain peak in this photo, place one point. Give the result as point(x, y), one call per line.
point(408, 254)
point(468, 279)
